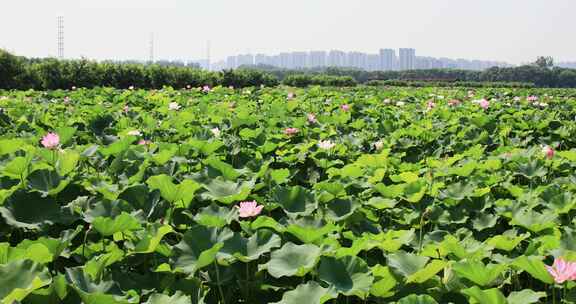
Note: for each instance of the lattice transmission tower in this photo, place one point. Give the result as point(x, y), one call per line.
point(61, 37)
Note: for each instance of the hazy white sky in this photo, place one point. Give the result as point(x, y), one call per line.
point(508, 30)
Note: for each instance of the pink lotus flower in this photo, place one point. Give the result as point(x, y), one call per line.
point(144, 142)
point(125, 109)
point(50, 140)
point(291, 95)
point(345, 107)
point(548, 151)
point(430, 105)
point(249, 209)
point(206, 89)
point(532, 98)
point(66, 100)
point(312, 118)
point(484, 104)
point(290, 131)
point(562, 270)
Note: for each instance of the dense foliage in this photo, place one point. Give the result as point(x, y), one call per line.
point(369, 196)
point(530, 74)
point(303, 80)
point(22, 73)
point(454, 84)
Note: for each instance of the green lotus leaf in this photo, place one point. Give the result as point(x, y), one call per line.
point(532, 168)
point(94, 292)
point(310, 230)
point(227, 192)
point(381, 203)
point(266, 222)
point(166, 152)
point(417, 299)
point(182, 193)
point(19, 278)
point(535, 267)
point(149, 239)
point(533, 220)
point(249, 249)
point(280, 176)
point(489, 296)
point(390, 191)
point(413, 192)
point(177, 298)
point(67, 161)
point(32, 211)
point(198, 248)
point(340, 209)
point(8, 146)
point(292, 260)
point(121, 223)
point(66, 134)
point(47, 182)
point(384, 282)
point(295, 200)
point(526, 296)
point(347, 275)
point(507, 241)
point(458, 191)
point(427, 272)
point(226, 170)
point(477, 272)
point(215, 216)
point(407, 264)
point(310, 293)
point(17, 168)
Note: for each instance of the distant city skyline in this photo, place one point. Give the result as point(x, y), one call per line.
point(514, 31)
point(385, 59)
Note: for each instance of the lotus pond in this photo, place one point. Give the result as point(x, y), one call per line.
point(280, 195)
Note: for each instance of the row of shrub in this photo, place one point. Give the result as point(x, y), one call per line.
point(46, 74)
point(303, 80)
point(449, 84)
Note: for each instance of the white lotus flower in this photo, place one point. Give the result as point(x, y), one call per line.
point(400, 103)
point(326, 144)
point(134, 133)
point(215, 131)
point(174, 106)
point(379, 145)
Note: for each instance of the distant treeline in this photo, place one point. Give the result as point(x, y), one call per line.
point(539, 76)
point(42, 74)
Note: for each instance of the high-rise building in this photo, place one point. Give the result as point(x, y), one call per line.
point(373, 62)
point(317, 59)
point(388, 59)
point(357, 60)
point(262, 59)
point(336, 59)
point(407, 59)
point(246, 59)
point(285, 60)
point(299, 60)
point(231, 62)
